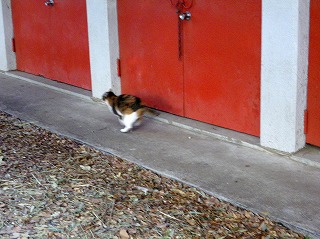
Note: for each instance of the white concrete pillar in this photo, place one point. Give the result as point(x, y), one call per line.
point(103, 45)
point(7, 56)
point(285, 42)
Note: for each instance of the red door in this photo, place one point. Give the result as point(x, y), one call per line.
point(222, 43)
point(207, 68)
point(150, 67)
point(313, 133)
point(52, 41)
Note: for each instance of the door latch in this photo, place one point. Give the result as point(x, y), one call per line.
point(185, 16)
point(49, 3)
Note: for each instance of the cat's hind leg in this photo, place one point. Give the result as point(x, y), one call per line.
point(121, 121)
point(128, 121)
point(138, 122)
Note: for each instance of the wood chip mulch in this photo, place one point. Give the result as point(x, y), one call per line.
point(54, 187)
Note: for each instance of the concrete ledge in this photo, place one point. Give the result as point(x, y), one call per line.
point(51, 84)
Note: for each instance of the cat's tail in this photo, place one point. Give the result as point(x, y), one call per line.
point(146, 110)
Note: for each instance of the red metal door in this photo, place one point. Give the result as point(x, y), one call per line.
point(150, 67)
point(217, 77)
point(52, 41)
point(222, 58)
point(313, 133)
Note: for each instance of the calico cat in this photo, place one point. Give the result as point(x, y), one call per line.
point(128, 108)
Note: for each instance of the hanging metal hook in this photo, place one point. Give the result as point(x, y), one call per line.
point(183, 14)
point(182, 5)
point(185, 6)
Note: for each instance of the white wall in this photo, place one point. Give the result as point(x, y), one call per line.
point(114, 44)
point(103, 45)
point(7, 56)
point(285, 38)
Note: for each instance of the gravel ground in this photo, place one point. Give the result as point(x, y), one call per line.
point(54, 187)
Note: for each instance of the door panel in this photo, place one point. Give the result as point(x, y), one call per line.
point(217, 79)
point(313, 134)
point(150, 67)
point(222, 64)
point(52, 41)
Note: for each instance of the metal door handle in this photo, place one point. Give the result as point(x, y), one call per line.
point(49, 3)
point(185, 16)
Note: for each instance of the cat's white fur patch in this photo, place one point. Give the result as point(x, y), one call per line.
point(128, 121)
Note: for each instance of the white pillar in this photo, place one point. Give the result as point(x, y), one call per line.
point(7, 57)
point(103, 45)
point(285, 42)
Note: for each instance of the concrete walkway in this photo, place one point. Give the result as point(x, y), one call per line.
point(241, 172)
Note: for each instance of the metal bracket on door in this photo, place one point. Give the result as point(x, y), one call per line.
point(49, 3)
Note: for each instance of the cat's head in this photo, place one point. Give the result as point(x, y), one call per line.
point(109, 98)
point(108, 95)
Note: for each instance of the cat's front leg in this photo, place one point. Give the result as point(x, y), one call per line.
point(125, 129)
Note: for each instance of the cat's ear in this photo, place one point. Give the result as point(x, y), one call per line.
point(105, 96)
